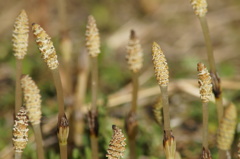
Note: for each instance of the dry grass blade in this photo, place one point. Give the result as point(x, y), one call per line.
point(117, 144)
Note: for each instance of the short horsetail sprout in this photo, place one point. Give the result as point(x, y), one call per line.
point(169, 146)
point(227, 128)
point(157, 110)
point(205, 86)
point(199, 7)
point(117, 144)
point(162, 76)
point(92, 37)
point(20, 44)
point(134, 53)
point(20, 35)
point(49, 55)
point(32, 101)
point(206, 154)
point(20, 132)
point(93, 48)
point(45, 46)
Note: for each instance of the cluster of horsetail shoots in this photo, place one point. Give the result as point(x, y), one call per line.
point(134, 59)
point(162, 76)
point(200, 9)
point(32, 101)
point(205, 87)
point(49, 55)
point(227, 128)
point(20, 44)
point(93, 48)
point(117, 144)
point(20, 132)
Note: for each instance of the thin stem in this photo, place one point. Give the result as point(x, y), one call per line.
point(219, 108)
point(132, 147)
point(208, 43)
point(134, 92)
point(94, 146)
point(18, 155)
point(38, 138)
point(18, 91)
point(94, 73)
point(166, 114)
point(63, 151)
point(59, 89)
point(205, 124)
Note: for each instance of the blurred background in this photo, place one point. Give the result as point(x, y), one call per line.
point(172, 24)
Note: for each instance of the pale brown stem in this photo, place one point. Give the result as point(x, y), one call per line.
point(18, 90)
point(59, 89)
point(134, 92)
point(94, 73)
point(18, 155)
point(208, 43)
point(94, 146)
point(166, 114)
point(132, 148)
point(39, 141)
point(63, 151)
point(205, 124)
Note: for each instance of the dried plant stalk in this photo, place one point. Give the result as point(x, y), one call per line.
point(169, 146)
point(157, 110)
point(134, 53)
point(45, 46)
point(20, 44)
point(199, 7)
point(20, 132)
point(92, 37)
point(32, 100)
point(117, 144)
point(227, 128)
